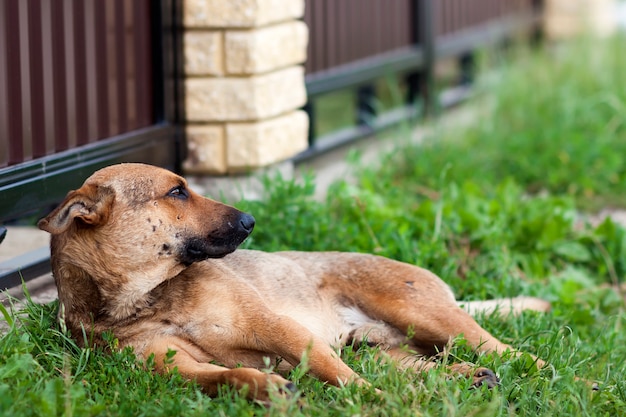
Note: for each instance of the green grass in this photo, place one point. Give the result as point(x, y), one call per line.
point(493, 208)
point(553, 121)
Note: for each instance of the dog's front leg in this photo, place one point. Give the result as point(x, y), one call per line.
point(190, 364)
point(296, 344)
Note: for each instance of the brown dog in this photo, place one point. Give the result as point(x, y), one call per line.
point(137, 253)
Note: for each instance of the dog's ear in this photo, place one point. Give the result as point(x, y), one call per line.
point(90, 204)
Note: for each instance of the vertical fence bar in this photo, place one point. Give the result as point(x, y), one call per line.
point(157, 14)
point(23, 89)
point(331, 33)
point(80, 83)
point(36, 102)
point(70, 70)
point(365, 108)
point(143, 57)
point(47, 70)
point(91, 70)
point(309, 108)
point(467, 66)
point(421, 82)
point(315, 9)
point(11, 80)
point(4, 96)
point(120, 68)
point(537, 33)
point(60, 80)
point(110, 70)
point(310, 17)
point(129, 74)
point(101, 66)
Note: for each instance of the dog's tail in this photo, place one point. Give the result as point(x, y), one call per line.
point(505, 306)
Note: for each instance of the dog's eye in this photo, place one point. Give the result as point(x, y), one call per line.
point(178, 192)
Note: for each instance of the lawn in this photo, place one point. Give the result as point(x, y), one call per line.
point(495, 207)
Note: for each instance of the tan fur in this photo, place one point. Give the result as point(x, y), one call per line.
point(136, 253)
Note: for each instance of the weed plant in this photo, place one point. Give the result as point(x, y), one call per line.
point(471, 211)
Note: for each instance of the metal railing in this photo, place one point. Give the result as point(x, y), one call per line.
point(82, 85)
point(353, 43)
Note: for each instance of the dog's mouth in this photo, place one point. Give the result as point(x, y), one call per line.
point(219, 243)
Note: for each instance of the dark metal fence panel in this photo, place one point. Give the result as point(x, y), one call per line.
point(354, 43)
point(83, 84)
point(349, 30)
point(455, 15)
point(72, 73)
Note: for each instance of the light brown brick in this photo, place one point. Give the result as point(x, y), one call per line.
point(253, 145)
point(239, 13)
point(204, 53)
point(268, 48)
point(245, 99)
point(567, 18)
point(206, 147)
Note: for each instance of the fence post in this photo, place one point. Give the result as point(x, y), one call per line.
point(309, 108)
point(467, 64)
point(420, 83)
point(365, 111)
point(537, 34)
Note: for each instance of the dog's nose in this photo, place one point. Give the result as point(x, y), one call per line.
point(247, 222)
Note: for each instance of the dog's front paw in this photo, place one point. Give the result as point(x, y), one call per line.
point(260, 386)
point(284, 387)
point(276, 388)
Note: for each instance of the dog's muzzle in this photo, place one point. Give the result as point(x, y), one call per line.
point(218, 243)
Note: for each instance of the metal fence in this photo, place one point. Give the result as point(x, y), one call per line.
point(75, 72)
point(345, 31)
point(83, 84)
point(353, 43)
point(455, 15)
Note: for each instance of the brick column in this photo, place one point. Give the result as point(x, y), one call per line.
point(244, 83)
point(568, 18)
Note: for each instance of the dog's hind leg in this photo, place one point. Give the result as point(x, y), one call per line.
point(396, 347)
point(407, 359)
point(448, 323)
point(418, 303)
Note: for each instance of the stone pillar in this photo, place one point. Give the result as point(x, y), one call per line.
point(567, 18)
point(244, 83)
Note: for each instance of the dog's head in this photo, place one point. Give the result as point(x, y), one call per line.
point(139, 220)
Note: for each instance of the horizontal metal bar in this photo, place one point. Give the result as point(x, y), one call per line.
point(24, 267)
point(480, 36)
point(28, 187)
point(447, 99)
point(364, 70)
point(345, 136)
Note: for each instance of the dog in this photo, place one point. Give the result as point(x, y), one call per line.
point(136, 253)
